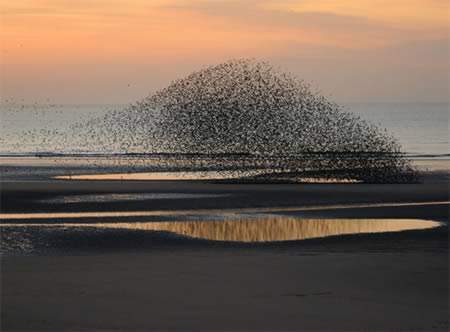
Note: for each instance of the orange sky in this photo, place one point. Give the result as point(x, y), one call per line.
point(108, 51)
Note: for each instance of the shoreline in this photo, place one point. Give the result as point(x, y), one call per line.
point(81, 279)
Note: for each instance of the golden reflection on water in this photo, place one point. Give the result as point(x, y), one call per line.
point(120, 214)
point(160, 176)
point(263, 229)
point(269, 229)
point(193, 175)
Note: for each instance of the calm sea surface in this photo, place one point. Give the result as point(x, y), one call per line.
point(422, 128)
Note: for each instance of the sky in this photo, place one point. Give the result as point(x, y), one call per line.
point(119, 51)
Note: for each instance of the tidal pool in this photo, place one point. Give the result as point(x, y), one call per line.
point(160, 176)
point(193, 175)
point(264, 228)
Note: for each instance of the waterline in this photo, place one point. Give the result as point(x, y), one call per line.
point(113, 214)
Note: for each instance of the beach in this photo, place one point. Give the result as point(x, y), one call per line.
point(193, 165)
point(129, 279)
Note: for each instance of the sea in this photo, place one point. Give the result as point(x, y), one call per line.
point(421, 128)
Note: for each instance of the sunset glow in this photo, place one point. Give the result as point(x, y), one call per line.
point(58, 42)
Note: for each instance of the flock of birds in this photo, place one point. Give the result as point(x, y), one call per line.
point(245, 115)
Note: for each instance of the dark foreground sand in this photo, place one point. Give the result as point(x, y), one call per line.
point(221, 290)
point(130, 280)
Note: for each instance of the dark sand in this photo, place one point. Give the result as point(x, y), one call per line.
point(130, 280)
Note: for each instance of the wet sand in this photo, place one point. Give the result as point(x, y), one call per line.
point(126, 280)
point(223, 290)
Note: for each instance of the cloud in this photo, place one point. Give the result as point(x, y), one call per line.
point(351, 52)
point(333, 25)
point(413, 71)
point(416, 14)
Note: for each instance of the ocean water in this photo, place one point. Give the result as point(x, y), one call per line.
point(421, 128)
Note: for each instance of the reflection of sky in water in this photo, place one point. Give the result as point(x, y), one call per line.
point(196, 175)
point(275, 228)
point(263, 228)
point(99, 198)
point(185, 175)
